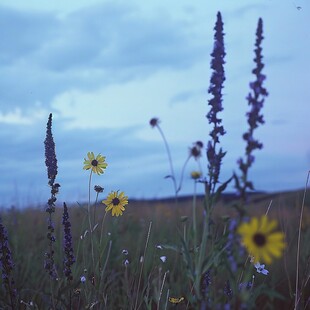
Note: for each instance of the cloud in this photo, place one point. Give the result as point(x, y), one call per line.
point(113, 37)
point(22, 33)
point(46, 54)
point(17, 117)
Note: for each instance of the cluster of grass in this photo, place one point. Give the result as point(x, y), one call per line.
point(208, 252)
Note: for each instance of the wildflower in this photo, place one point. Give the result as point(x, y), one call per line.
point(83, 279)
point(68, 249)
point(195, 150)
point(96, 164)
point(98, 189)
point(125, 252)
point(205, 282)
point(159, 247)
point(195, 175)
point(255, 99)
point(116, 202)
point(260, 240)
point(154, 122)
point(230, 243)
point(175, 300)
point(163, 258)
point(245, 286)
point(214, 155)
point(7, 265)
point(50, 155)
point(260, 268)
point(51, 164)
point(227, 290)
point(126, 262)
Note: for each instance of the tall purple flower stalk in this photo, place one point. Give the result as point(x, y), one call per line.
point(51, 164)
point(255, 100)
point(7, 266)
point(215, 155)
point(69, 258)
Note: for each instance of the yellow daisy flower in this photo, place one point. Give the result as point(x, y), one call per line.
point(96, 164)
point(260, 240)
point(195, 175)
point(116, 202)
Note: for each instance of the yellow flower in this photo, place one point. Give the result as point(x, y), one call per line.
point(175, 300)
point(116, 202)
point(96, 164)
point(195, 175)
point(260, 240)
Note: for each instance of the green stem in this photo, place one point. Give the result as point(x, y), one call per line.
point(89, 222)
point(95, 208)
point(182, 173)
point(142, 264)
point(170, 161)
point(194, 217)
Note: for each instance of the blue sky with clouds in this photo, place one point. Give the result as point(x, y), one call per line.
point(104, 68)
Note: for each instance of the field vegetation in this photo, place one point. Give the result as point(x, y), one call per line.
point(238, 250)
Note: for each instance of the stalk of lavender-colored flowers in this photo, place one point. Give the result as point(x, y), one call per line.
point(255, 100)
point(230, 243)
point(51, 164)
point(68, 247)
point(215, 156)
point(204, 290)
point(69, 258)
point(7, 266)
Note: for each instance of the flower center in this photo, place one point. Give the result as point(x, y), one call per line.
point(259, 239)
point(94, 162)
point(115, 201)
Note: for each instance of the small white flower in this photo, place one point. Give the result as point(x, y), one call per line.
point(83, 279)
point(260, 268)
point(159, 247)
point(126, 262)
point(125, 252)
point(163, 258)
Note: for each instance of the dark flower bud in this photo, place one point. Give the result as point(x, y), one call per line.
point(154, 121)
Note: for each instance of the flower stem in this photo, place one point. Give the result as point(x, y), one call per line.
point(142, 264)
point(89, 222)
point(298, 243)
point(182, 173)
point(170, 161)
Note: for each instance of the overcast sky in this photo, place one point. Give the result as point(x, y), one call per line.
point(105, 68)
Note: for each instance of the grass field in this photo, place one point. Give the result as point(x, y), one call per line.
point(170, 221)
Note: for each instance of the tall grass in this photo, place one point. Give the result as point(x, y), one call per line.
point(206, 252)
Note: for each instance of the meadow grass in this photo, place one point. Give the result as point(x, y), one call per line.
point(245, 250)
point(27, 231)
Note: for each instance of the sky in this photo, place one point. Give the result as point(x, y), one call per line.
point(105, 68)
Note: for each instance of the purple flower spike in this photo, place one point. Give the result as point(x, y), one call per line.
point(255, 100)
point(51, 164)
point(7, 266)
point(68, 248)
point(215, 89)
